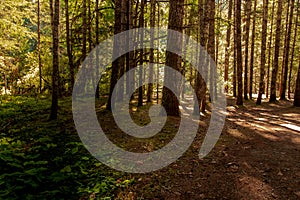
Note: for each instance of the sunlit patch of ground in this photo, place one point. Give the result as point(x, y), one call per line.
point(257, 157)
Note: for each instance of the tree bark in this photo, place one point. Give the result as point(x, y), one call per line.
point(152, 24)
point(286, 53)
point(292, 53)
point(276, 53)
point(200, 85)
point(129, 44)
point(84, 29)
point(97, 50)
point(169, 100)
point(211, 47)
point(252, 51)
point(239, 61)
point(297, 91)
point(227, 52)
point(247, 27)
point(263, 51)
point(69, 50)
point(39, 47)
point(269, 50)
point(141, 62)
point(234, 78)
point(117, 64)
point(55, 73)
point(90, 26)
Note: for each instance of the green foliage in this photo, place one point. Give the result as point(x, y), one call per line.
point(18, 44)
point(46, 160)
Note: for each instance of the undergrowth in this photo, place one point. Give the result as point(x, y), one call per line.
point(41, 159)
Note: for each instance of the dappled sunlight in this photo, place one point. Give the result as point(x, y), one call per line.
point(269, 115)
point(292, 127)
point(291, 114)
point(269, 136)
point(254, 188)
point(237, 133)
point(296, 140)
point(262, 119)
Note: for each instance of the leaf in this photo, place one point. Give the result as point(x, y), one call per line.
point(85, 158)
point(41, 162)
point(67, 169)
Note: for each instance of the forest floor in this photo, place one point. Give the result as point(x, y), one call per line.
point(257, 157)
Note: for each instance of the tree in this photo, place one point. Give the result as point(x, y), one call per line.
point(55, 52)
point(227, 54)
point(200, 85)
point(129, 43)
point(90, 26)
point(239, 62)
point(263, 51)
point(285, 62)
point(141, 59)
point(269, 50)
point(276, 53)
point(69, 48)
point(97, 49)
point(211, 46)
point(84, 29)
point(169, 100)
point(293, 52)
point(39, 46)
point(234, 74)
point(117, 64)
point(247, 28)
point(252, 50)
point(152, 24)
point(297, 90)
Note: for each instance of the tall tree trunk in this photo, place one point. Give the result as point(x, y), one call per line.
point(211, 47)
point(84, 29)
point(69, 50)
point(234, 78)
point(97, 50)
point(152, 24)
point(203, 40)
point(263, 51)
point(122, 61)
point(297, 91)
point(286, 53)
point(187, 31)
point(158, 56)
point(141, 62)
point(169, 100)
point(292, 53)
point(252, 51)
point(247, 27)
point(129, 44)
point(39, 46)
point(227, 51)
point(218, 26)
point(269, 50)
point(90, 26)
point(55, 73)
point(200, 84)
point(276, 53)
point(118, 62)
point(239, 61)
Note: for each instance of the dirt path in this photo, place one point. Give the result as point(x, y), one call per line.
point(257, 157)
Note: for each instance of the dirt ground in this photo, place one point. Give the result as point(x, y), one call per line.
point(256, 157)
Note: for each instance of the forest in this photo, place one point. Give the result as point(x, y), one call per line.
point(193, 99)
